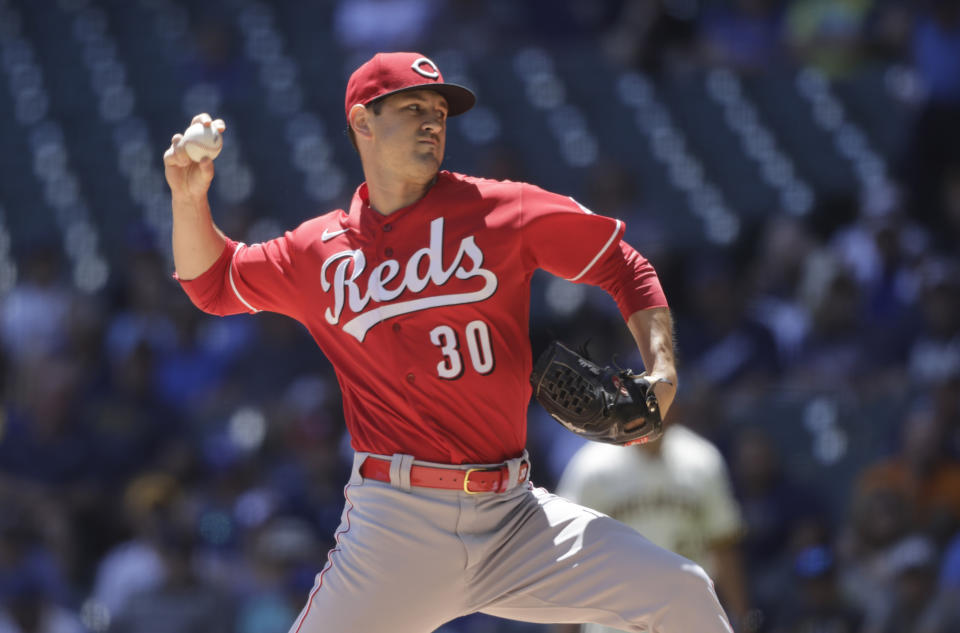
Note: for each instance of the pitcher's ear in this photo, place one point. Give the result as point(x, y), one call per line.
point(360, 120)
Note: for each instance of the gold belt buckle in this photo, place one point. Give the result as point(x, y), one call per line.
point(466, 479)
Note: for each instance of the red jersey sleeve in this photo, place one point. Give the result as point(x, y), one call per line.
point(568, 240)
point(630, 279)
point(248, 279)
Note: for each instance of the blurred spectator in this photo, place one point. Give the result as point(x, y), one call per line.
point(182, 601)
point(936, 50)
point(950, 566)
point(476, 29)
point(744, 35)
point(218, 59)
point(719, 340)
point(189, 374)
point(889, 30)
point(780, 515)
point(27, 563)
point(944, 615)
point(878, 520)
point(282, 344)
point(129, 426)
point(570, 21)
point(677, 493)
point(912, 566)
point(136, 564)
point(42, 436)
point(653, 35)
point(143, 313)
point(34, 593)
point(613, 190)
point(828, 34)
point(155, 331)
point(30, 610)
point(923, 472)
point(934, 356)
point(820, 604)
point(365, 27)
point(276, 455)
point(284, 558)
point(313, 433)
point(839, 349)
point(775, 273)
point(86, 329)
point(33, 316)
point(882, 254)
point(934, 152)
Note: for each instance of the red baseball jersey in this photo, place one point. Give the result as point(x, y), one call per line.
point(424, 313)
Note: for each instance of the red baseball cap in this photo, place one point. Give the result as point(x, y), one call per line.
point(390, 73)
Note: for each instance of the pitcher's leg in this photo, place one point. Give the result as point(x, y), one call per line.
point(566, 563)
point(394, 567)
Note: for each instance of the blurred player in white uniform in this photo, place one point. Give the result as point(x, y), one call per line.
point(677, 493)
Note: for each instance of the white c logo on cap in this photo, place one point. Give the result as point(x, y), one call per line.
point(433, 73)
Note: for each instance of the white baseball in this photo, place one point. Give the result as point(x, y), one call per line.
point(202, 141)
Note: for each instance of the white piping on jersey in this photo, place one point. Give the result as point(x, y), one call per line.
point(233, 285)
point(593, 261)
point(582, 208)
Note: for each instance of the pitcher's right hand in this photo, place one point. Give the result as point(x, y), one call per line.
point(185, 177)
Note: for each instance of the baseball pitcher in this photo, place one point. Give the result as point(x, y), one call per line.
point(419, 295)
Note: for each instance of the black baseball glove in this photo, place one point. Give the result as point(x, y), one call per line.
point(597, 403)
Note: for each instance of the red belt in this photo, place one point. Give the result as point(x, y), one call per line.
point(471, 480)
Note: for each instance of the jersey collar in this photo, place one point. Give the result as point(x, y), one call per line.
point(359, 202)
point(362, 214)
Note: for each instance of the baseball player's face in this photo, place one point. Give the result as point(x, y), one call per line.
point(411, 132)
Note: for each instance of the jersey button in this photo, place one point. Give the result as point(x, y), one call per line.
point(387, 228)
point(396, 327)
point(411, 377)
point(388, 252)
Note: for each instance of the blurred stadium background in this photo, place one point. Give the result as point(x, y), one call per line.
point(792, 169)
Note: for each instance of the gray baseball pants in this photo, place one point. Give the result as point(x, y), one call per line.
point(407, 560)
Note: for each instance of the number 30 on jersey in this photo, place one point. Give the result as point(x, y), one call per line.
point(477, 334)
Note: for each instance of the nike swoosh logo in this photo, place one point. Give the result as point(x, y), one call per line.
point(329, 235)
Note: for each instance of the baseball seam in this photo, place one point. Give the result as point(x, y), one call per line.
point(207, 148)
